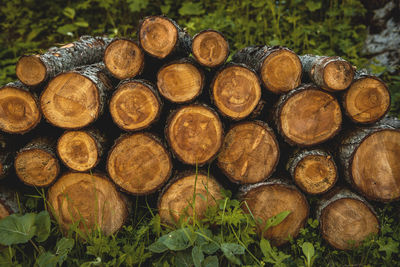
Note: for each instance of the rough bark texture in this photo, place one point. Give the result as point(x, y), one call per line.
point(6, 157)
point(36, 164)
point(19, 109)
point(279, 67)
point(313, 170)
point(369, 159)
point(210, 48)
point(36, 69)
point(75, 99)
point(270, 198)
point(8, 201)
point(161, 37)
point(346, 219)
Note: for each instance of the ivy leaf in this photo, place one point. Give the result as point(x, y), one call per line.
point(313, 5)
point(137, 5)
point(190, 8)
point(197, 255)
point(177, 240)
point(211, 261)
point(17, 229)
point(69, 12)
point(42, 223)
point(232, 249)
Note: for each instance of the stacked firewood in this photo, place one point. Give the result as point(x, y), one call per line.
point(100, 118)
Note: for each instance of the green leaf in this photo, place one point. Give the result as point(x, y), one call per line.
point(165, 9)
point(63, 247)
point(158, 247)
point(308, 251)
point(137, 5)
point(183, 259)
point(232, 249)
point(210, 248)
point(390, 247)
point(69, 12)
point(67, 29)
point(82, 24)
point(47, 259)
point(211, 261)
point(190, 8)
point(313, 5)
point(178, 239)
point(42, 223)
point(17, 229)
point(277, 219)
point(265, 247)
point(197, 255)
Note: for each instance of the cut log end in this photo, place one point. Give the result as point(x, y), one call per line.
point(134, 106)
point(36, 167)
point(346, 222)
point(4, 212)
point(310, 117)
point(124, 59)
point(281, 71)
point(236, 91)
point(88, 200)
point(70, 101)
point(375, 167)
point(180, 82)
point(195, 134)
point(210, 48)
point(78, 150)
point(250, 153)
point(338, 75)
point(176, 203)
point(30, 70)
point(367, 100)
point(158, 36)
point(141, 170)
point(19, 111)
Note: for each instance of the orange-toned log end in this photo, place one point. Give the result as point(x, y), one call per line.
point(346, 222)
point(310, 117)
point(281, 71)
point(176, 202)
point(30, 70)
point(269, 200)
point(315, 174)
point(249, 154)
point(19, 111)
point(89, 201)
point(158, 36)
point(4, 212)
point(236, 91)
point(124, 59)
point(78, 150)
point(36, 167)
point(210, 48)
point(70, 101)
point(375, 168)
point(134, 106)
point(337, 75)
point(195, 134)
point(180, 82)
point(367, 100)
point(139, 164)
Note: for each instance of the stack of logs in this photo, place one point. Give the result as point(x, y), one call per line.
point(276, 123)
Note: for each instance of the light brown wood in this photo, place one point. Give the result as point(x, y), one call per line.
point(176, 202)
point(134, 105)
point(139, 163)
point(270, 199)
point(338, 75)
point(195, 134)
point(31, 70)
point(4, 212)
point(124, 59)
point(250, 153)
point(89, 201)
point(19, 110)
point(346, 222)
point(236, 91)
point(210, 48)
point(180, 82)
point(367, 100)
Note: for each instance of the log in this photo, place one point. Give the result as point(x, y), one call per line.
point(135, 105)
point(330, 73)
point(6, 157)
point(307, 116)
point(123, 58)
point(9, 203)
point(89, 201)
point(194, 133)
point(210, 48)
point(160, 37)
point(250, 152)
point(188, 193)
point(139, 163)
point(180, 81)
point(313, 170)
point(34, 70)
point(267, 199)
point(75, 99)
point(367, 100)
point(369, 159)
point(236, 91)
point(81, 150)
point(19, 109)
point(36, 164)
point(346, 219)
point(278, 67)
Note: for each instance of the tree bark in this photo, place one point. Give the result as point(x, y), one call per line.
point(210, 48)
point(8, 202)
point(34, 70)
